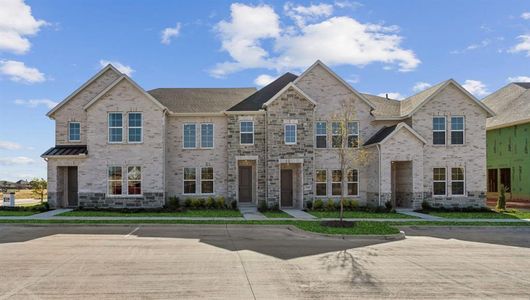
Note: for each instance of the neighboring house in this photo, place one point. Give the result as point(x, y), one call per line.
point(23, 184)
point(508, 135)
point(120, 146)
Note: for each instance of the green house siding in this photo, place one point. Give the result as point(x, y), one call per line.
point(510, 148)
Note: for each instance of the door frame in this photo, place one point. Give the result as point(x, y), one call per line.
point(239, 184)
point(292, 187)
point(300, 169)
point(67, 202)
point(254, 174)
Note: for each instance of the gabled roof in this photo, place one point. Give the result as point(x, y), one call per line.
point(200, 100)
point(385, 107)
point(72, 95)
point(385, 133)
point(113, 84)
point(511, 105)
point(255, 101)
point(349, 87)
point(288, 86)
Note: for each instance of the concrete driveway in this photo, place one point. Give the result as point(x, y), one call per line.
point(244, 262)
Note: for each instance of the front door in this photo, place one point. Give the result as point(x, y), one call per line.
point(245, 184)
point(287, 188)
point(72, 186)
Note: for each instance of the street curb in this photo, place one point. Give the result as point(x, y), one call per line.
point(383, 237)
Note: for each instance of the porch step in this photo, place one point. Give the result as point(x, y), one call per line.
point(250, 212)
point(299, 214)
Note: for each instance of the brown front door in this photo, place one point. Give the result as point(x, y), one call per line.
point(72, 186)
point(287, 188)
point(245, 184)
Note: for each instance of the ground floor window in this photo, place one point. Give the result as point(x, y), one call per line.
point(207, 180)
point(336, 182)
point(134, 180)
point(189, 181)
point(321, 183)
point(353, 182)
point(492, 181)
point(506, 179)
point(439, 182)
point(115, 180)
point(457, 181)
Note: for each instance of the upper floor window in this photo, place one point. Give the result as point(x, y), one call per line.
point(74, 131)
point(321, 183)
point(336, 135)
point(457, 130)
point(207, 180)
point(207, 135)
point(290, 134)
point(135, 127)
point(115, 127)
point(353, 134)
point(189, 136)
point(457, 181)
point(321, 134)
point(134, 180)
point(438, 130)
point(439, 182)
point(353, 182)
point(246, 132)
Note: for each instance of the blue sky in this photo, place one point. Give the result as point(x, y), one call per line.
point(49, 48)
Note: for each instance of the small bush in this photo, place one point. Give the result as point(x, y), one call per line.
point(173, 203)
point(187, 202)
point(274, 207)
point(220, 203)
point(210, 203)
point(318, 204)
point(351, 204)
point(233, 204)
point(330, 205)
point(309, 205)
point(388, 205)
point(425, 205)
point(501, 201)
point(262, 206)
point(195, 203)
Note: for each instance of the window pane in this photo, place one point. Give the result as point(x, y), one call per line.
point(321, 175)
point(321, 128)
point(438, 138)
point(135, 134)
point(336, 141)
point(321, 141)
point(353, 175)
point(207, 135)
point(135, 119)
point(207, 173)
point(457, 188)
point(134, 187)
point(336, 175)
point(207, 187)
point(438, 174)
point(115, 120)
point(290, 134)
point(439, 188)
point(74, 132)
point(115, 187)
point(353, 128)
point(189, 136)
point(134, 173)
point(438, 123)
point(247, 127)
point(189, 187)
point(457, 174)
point(247, 138)
point(336, 128)
point(115, 173)
point(353, 141)
point(353, 189)
point(321, 189)
point(457, 137)
point(189, 173)
point(336, 189)
point(457, 123)
point(115, 134)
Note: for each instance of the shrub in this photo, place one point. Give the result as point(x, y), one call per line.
point(195, 203)
point(187, 202)
point(173, 203)
point(262, 206)
point(210, 203)
point(425, 205)
point(275, 207)
point(220, 203)
point(501, 201)
point(330, 205)
point(233, 204)
point(318, 204)
point(351, 204)
point(309, 205)
point(388, 205)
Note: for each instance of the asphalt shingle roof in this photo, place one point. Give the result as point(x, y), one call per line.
point(200, 100)
point(380, 135)
point(255, 101)
point(511, 104)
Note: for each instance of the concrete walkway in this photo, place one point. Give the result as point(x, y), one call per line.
point(299, 214)
point(50, 213)
point(251, 213)
point(412, 213)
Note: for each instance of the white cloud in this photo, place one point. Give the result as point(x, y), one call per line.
point(36, 102)
point(353, 79)
point(336, 41)
point(263, 80)
point(476, 87)
point(302, 14)
point(169, 33)
point(17, 71)
point(482, 44)
point(523, 46)
point(19, 160)
point(395, 95)
point(348, 4)
point(127, 70)
point(526, 15)
point(519, 79)
point(420, 86)
point(16, 24)
point(7, 145)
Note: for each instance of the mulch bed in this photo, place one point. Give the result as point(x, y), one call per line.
point(343, 224)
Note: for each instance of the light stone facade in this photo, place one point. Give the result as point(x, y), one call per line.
point(397, 169)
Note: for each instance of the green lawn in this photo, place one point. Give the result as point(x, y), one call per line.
point(276, 214)
point(359, 214)
point(376, 228)
point(222, 213)
point(19, 213)
point(483, 215)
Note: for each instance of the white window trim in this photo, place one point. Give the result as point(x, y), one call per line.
point(339, 134)
point(124, 181)
point(69, 139)
point(463, 130)
point(127, 181)
point(337, 182)
point(437, 130)
point(463, 181)
point(184, 135)
point(213, 135)
point(357, 135)
point(109, 181)
point(253, 132)
point(295, 134)
point(184, 181)
point(433, 181)
point(348, 182)
point(320, 182)
point(109, 127)
point(320, 134)
point(212, 180)
point(141, 127)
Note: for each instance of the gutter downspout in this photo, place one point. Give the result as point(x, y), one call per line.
point(379, 177)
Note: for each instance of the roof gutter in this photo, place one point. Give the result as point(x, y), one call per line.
point(523, 121)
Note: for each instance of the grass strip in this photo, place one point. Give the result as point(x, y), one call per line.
point(221, 213)
point(360, 214)
point(17, 213)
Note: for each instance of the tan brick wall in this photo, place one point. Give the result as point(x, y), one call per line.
point(73, 111)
